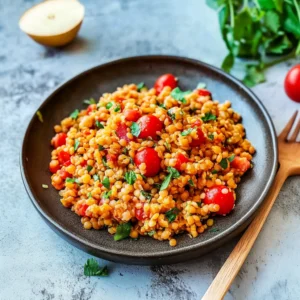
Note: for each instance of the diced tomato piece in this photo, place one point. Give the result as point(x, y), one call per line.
point(201, 137)
point(180, 159)
point(83, 163)
point(163, 81)
point(140, 213)
point(81, 210)
point(240, 163)
point(203, 92)
point(64, 174)
point(64, 158)
point(59, 140)
point(149, 125)
point(222, 196)
point(54, 166)
point(122, 132)
point(132, 114)
point(111, 157)
point(91, 108)
point(150, 157)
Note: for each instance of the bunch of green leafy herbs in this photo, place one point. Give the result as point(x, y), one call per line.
point(260, 30)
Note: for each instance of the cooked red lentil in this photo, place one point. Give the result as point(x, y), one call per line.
point(154, 162)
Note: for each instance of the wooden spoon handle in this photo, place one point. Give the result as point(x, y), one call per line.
point(234, 262)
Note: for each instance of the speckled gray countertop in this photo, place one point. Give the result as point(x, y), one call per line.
point(37, 264)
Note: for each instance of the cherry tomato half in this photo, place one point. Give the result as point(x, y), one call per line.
point(201, 137)
point(203, 92)
point(163, 81)
point(131, 114)
point(81, 209)
point(149, 125)
point(64, 158)
point(122, 132)
point(222, 196)
point(150, 157)
point(59, 140)
point(54, 166)
point(292, 83)
point(140, 213)
point(91, 108)
point(180, 159)
point(240, 163)
point(64, 174)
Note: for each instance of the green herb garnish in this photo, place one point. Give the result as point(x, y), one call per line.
point(157, 185)
point(100, 148)
point(168, 146)
point(201, 85)
point(40, 116)
point(140, 86)
point(147, 195)
point(151, 233)
point(106, 182)
point(209, 117)
point(91, 268)
point(106, 194)
point(89, 195)
point(171, 114)
point(117, 109)
point(187, 131)
point(99, 124)
point(173, 173)
point(96, 177)
point(179, 95)
point(224, 163)
point(76, 144)
point(162, 106)
point(89, 101)
point(211, 136)
point(214, 172)
point(231, 158)
point(89, 168)
point(172, 214)
point(123, 231)
point(135, 129)
point(191, 182)
point(109, 105)
point(104, 161)
point(70, 180)
point(130, 177)
point(125, 151)
point(74, 115)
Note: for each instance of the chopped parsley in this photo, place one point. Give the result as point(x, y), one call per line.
point(96, 177)
point(135, 129)
point(40, 116)
point(76, 145)
point(130, 177)
point(125, 151)
point(231, 158)
point(117, 109)
point(104, 161)
point(173, 173)
point(106, 195)
point(201, 85)
point(187, 132)
point(106, 182)
point(179, 95)
point(140, 86)
point(171, 114)
point(70, 180)
point(214, 172)
point(224, 163)
point(168, 146)
point(89, 195)
point(172, 214)
point(89, 101)
point(91, 268)
point(100, 148)
point(209, 117)
point(157, 185)
point(109, 105)
point(151, 233)
point(74, 115)
point(191, 182)
point(89, 168)
point(211, 136)
point(99, 124)
point(162, 106)
point(123, 231)
point(147, 195)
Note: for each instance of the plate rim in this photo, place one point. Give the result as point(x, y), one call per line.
point(220, 237)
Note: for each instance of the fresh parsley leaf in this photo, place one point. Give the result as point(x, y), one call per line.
point(201, 85)
point(104, 161)
point(211, 136)
point(106, 182)
point(209, 117)
point(140, 86)
point(144, 177)
point(254, 75)
point(214, 172)
point(40, 116)
point(162, 106)
point(89, 168)
point(125, 151)
point(106, 194)
point(172, 214)
point(70, 180)
point(91, 268)
point(168, 146)
point(173, 173)
point(157, 185)
point(130, 177)
point(117, 109)
point(231, 158)
point(224, 163)
point(191, 182)
point(96, 177)
point(151, 233)
point(147, 195)
point(76, 144)
point(187, 131)
point(171, 114)
point(109, 105)
point(100, 148)
point(89, 195)
point(89, 101)
point(272, 21)
point(135, 129)
point(74, 115)
point(179, 95)
point(123, 231)
point(99, 124)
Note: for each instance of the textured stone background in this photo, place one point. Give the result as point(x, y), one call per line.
point(34, 262)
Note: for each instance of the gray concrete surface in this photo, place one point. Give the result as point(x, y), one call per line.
point(37, 264)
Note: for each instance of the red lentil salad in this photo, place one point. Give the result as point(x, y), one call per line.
point(156, 162)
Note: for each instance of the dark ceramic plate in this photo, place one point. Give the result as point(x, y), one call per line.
point(106, 78)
